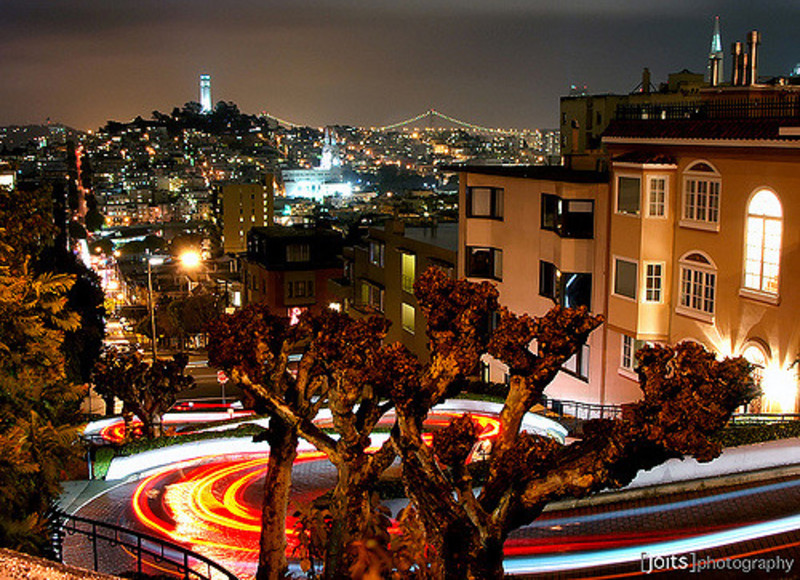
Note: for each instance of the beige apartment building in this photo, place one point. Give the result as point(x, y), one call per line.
point(701, 243)
point(688, 237)
point(539, 234)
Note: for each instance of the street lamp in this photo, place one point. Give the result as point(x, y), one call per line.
point(152, 307)
point(190, 260)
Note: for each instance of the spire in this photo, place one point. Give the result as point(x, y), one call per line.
point(714, 72)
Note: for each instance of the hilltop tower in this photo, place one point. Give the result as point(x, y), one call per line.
point(715, 73)
point(205, 92)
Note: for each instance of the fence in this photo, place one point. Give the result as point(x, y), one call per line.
point(776, 107)
point(144, 550)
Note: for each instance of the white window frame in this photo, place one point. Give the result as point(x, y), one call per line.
point(758, 291)
point(663, 203)
point(627, 355)
point(699, 275)
point(690, 208)
point(648, 277)
point(617, 177)
point(635, 296)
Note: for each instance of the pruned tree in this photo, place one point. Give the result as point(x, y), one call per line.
point(687, 396)
point(146, 390)
point(343, 366)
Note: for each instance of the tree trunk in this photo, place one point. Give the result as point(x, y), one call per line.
point(465, 557)
point(350, 502)
point(283, 450)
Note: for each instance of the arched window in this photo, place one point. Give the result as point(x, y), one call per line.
point(763, 242)
point(698, 285)
point(701, 196)
point(756, 356)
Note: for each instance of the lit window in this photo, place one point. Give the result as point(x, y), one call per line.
point(698, 286)
point(485, 202)
point(653, 282)
point(409, 263)
point(630, 346)
point(763, 245)
point(625, 278)
point(408, 318)
point(371, 296)
point(701, 196)
point(628, 195)
point(657, 197)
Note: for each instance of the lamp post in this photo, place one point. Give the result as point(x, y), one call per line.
point(150, 303)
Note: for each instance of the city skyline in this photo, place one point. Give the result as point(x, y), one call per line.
point(317, 62)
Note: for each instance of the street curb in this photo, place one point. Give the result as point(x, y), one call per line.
point(712, 482)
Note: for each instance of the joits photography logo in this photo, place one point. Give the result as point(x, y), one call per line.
point(660, 563)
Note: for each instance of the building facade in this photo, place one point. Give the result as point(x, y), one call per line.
point(288, 268)
point(701, 243)
point(381, 270)
point(539, 233)
point(245, 206)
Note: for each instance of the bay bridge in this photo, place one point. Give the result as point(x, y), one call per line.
point(430, 120)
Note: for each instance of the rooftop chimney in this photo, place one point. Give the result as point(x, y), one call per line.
point(753, 40)
point(737, 70)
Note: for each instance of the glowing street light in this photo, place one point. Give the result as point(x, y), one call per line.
point(190, 259)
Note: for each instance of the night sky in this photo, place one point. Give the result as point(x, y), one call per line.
point(501, 63)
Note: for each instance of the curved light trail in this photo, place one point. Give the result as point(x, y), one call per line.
point(114, 432)
point(212, 506)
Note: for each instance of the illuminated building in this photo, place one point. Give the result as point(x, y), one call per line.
point(245, 206)
point(323, 181)
point(688, 237)
point(538, 233)
point(380, 271)
point(701, 245)
point(205, 93)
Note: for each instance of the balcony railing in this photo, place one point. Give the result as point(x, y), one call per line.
point(772, 107)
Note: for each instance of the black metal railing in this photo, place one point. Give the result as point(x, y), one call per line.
point(572, 414)
point(767, 107)
point(143, 548)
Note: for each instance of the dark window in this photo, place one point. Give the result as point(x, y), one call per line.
point(569, 218)
point(576, 290)
point(569, 289)
point(625, 278)
point(485, 202)
point(484, 263)
point(548, 274)
point(550, 212)
point(628, 195)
